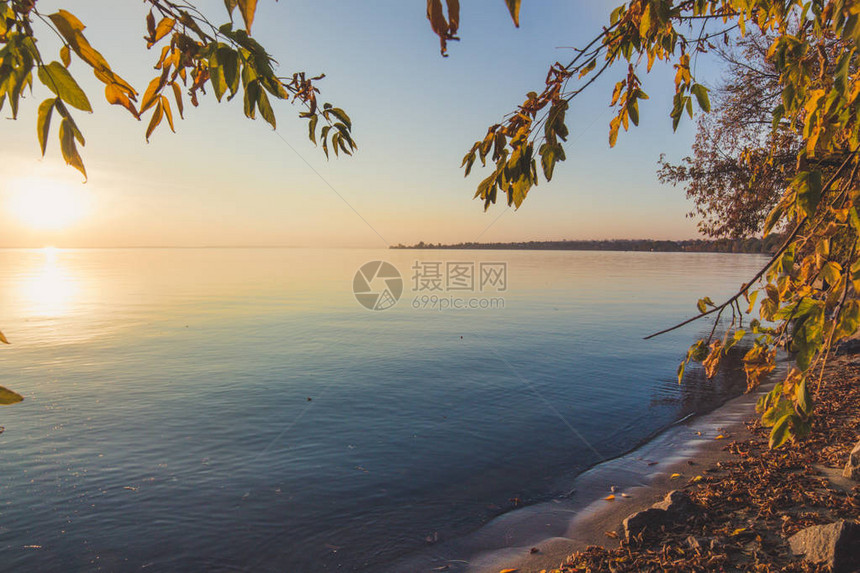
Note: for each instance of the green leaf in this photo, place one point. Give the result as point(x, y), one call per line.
point(808, 188)
point(228, 60)
point(701, 93)
point(514, 9)
point(341, 115)
point(698, 351)
point(8, 397)
point(266, 109)
point(804, 400)
point(58, 79)
point(547, 160)
point(43, 123)
point(780, 432)
point(633, 111)
point(216, 77)
point(849, 320)
point(252, 93)
point(312, 128)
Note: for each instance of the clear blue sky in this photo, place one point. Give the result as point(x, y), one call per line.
point(225, 180)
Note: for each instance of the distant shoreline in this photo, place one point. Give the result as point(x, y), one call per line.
point(767, 245)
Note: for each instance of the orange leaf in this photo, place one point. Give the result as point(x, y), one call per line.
point(164, 28)
point(156, 119)
point(248, 8)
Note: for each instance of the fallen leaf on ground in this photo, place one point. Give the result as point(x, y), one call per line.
point(609, 497)
point(674, 476)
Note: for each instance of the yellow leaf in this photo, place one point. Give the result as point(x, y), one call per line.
point(164, 28)
point(514, 9)
point(150, 95)
point(248, 8)
point(720, 437)
point(674, 476)
point(738, 531)
point(3, 339)
point(508, 570)
point(115, 95)
point(610, 497)
point(165, 103)
point(8, 397)
point(177, 93)
point(156, 119)
point(697, 479)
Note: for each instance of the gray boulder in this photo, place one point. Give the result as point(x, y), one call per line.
point(852, 468)
point(651, 519)
point(677, 503)
point(675, 507)
point(836, 545)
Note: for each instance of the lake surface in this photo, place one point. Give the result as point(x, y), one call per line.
point(238, 409)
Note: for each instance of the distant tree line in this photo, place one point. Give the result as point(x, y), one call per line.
point(766, 245)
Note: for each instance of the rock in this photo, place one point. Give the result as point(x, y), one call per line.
point(852, 468)
point(836, 545)
point(676, 506)
point(677, 503)
point(651, 519)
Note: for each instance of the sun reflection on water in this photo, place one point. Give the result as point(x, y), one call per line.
point(49, 289)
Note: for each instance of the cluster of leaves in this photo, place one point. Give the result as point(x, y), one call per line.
point(740, 165)
point(446, 25)
point(195, 55)
point(810, 285)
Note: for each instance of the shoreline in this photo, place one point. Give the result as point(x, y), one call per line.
point(697, 447)
point(560, 527)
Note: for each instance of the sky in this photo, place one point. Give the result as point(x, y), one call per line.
point(225, 180)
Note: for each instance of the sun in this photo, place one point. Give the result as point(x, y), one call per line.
point(47, 205)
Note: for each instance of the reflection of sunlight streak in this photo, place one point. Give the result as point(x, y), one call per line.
point(50, 289)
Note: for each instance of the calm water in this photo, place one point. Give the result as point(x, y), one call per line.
point(168, 424)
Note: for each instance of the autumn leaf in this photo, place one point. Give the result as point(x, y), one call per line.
point(58, 79)
point(248, 8)
point(514, 9)
point(8, 397)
